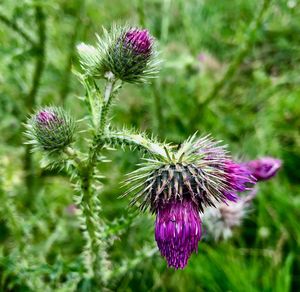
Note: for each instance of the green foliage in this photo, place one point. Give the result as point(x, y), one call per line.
point(255, 111)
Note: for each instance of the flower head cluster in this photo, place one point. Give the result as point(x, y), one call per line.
point(178, 186)
point(50, 129)
point(127, 53)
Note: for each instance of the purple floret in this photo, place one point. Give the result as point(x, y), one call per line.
point(238, 179)
point(177, 231)
point(139, 40)
point(46, 117)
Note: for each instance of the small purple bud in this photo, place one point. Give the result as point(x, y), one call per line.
point(177, 231)
point(45, 117)
point(139, 40)
point(264, 168)
point(51, 129)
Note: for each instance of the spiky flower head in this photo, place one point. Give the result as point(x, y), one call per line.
point(50, 129)
point(128, 53)
point(198, 175)
point(264, 168)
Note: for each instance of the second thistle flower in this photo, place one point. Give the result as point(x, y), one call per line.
point(128, 53)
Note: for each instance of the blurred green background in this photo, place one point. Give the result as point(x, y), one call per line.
point(231, 68)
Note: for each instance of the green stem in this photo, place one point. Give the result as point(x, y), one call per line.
point(15, 27)
point(91, 215)
point(108, 94)
point(138, 141)
point(31, 97)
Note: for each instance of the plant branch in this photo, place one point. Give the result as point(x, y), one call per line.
point(40, 61)
point(31, 97)
point(108, 94)
point(90, 204)
point(15, 27)
point(138, 141)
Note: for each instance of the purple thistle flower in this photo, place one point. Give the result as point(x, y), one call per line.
point(200, 174)
point(140, 41)
point(177, 231)
point(45, 117)
point(263, 168)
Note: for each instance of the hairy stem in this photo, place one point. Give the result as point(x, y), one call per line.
point(140, 142)
point(90, 204)
point(108, 94)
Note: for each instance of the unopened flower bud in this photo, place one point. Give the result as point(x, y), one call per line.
point(127, 53)
point(50, 129)
point(264, 168)
point(139, 41)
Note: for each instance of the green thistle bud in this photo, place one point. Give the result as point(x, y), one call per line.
point(128, 53)
point(50, 129)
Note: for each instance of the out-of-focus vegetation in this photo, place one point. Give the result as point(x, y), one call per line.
point(231, 68)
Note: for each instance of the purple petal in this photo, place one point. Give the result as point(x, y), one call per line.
point(177, 232)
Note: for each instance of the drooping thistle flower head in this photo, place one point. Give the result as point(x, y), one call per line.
point(50, 129)
point(264, 168)
point(128, 53)
point(179, 185)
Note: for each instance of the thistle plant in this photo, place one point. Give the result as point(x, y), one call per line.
point(176, 183)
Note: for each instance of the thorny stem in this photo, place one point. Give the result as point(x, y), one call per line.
point(108, 94)
point(86, 176)
point(243, 52)
point(132, 140)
